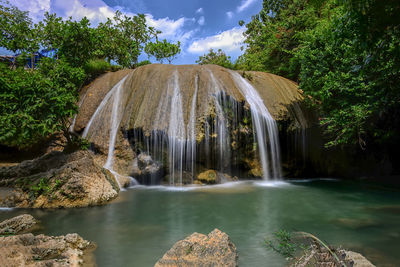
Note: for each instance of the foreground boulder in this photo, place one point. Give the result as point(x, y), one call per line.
point(59, 180)
point(216, 249)
point(41, 250)
point(21, 224)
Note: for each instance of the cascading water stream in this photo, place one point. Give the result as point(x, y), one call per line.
point(191, 130)
point(223, 136)
point(113, 95)
point(262, 120)
point(176, 129)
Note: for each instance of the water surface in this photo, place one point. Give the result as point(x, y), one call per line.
point(144, 222)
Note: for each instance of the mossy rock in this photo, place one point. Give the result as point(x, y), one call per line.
point(208, 177)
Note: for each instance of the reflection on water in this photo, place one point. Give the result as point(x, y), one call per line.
point(144, 222)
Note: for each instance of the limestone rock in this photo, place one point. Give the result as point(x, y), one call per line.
point(41, 250)
point(20, 224)
point(61, 180)
point(216, 249)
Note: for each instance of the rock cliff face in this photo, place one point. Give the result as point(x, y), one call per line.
point(214, 249)
point(189, 119)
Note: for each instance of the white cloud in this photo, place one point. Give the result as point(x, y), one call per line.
point(245, 4)
point(201, 21)
point(36, 8)
point(229, 14)
point(96, 10)
point(230, 40)
point(172, 30)
point(200, 11)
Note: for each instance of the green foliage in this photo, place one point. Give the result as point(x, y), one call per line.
point(353, 76)
point(41, 188)
point(274, 35)
point(345, 55)
point(130, 36)
point(143, 63)
point(216, 57)
point(36, 104)
point(95, 67)
point(283, 244)
point(163, 50)
point(16, 30)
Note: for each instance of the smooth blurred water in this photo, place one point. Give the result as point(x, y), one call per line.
point(144, 222)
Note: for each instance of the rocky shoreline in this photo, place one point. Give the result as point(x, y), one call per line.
point(19, 248)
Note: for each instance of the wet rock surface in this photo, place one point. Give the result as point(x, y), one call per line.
point(214, 249)
point(146, 170)
point(59, 180)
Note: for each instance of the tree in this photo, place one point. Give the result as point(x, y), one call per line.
point(163, 50)
point(345, 54)
point(134, 33)
point(15, 27)
point(216, 57)
point(351, 64)
point(37, 104)
point(17, 33)
point(74, 40)
point(274, 35)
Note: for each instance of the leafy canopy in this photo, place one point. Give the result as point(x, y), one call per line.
point(216, 57)
point(344, 53)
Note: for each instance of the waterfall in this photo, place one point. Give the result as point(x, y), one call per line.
point(262, 120)
point(113, 95)
point(220, 124)
point(176, 129)
point(191, 130)
point(186, 120)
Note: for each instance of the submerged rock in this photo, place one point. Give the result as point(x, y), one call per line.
point(356, 223)
point(21, 224)
point(60, 180)
point(214, 249)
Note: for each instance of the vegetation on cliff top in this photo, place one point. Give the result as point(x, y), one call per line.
point(39, 102)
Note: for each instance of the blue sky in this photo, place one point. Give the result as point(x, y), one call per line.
point(198, 24)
